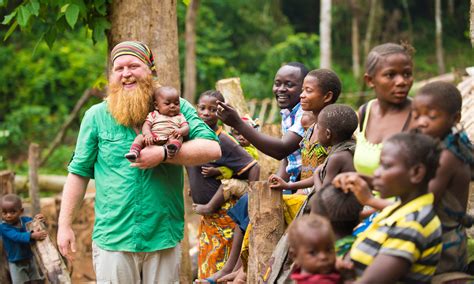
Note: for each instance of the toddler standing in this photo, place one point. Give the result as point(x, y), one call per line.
point(17, 240)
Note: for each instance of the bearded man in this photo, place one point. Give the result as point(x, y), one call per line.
point(139, 209)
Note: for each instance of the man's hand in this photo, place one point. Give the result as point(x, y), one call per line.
point(66, 242)
point(150, 157)
point(277, 182)
point(228, 114)
point(210, 171)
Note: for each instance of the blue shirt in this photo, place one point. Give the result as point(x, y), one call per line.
point(291, 121)
point(16, 240)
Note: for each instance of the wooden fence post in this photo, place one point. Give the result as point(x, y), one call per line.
point(268, 225)
point(7, 185)
point(233, 94)
point(33, 163)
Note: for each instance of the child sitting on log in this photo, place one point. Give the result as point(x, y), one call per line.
point(230, 187)
point(17, 240)
point(336, 124)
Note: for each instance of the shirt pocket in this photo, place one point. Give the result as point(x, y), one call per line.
point(113, 147)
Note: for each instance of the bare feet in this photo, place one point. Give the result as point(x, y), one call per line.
point(202, 209)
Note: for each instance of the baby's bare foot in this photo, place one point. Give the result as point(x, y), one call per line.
point(201, 209)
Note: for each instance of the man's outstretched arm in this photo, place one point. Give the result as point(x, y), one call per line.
point(274, 147)
point(194, 152)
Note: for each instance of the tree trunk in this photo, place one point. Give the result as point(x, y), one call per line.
point(409, 21)
point(325, 34)
point(33, 162)
point(472, 23)
point(439, 38)
point(264, 204)
point(355, 38)
point(154, 23)
point(370, 27)
point(190, 59)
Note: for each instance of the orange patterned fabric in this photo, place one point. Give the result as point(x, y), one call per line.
point(215, 241)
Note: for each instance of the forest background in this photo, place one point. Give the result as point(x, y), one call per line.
point(44, 75)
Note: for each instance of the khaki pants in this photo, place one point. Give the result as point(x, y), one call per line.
point(136, 267)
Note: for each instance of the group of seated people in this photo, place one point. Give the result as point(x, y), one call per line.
point(377, 195)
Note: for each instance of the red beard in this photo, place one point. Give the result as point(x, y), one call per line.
point(130, 107)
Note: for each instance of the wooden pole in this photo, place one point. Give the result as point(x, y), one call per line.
point(233, 94)
point(33, 162)
point(7, 182)
point(7, 185)
point(48, 257)
point(266, 217)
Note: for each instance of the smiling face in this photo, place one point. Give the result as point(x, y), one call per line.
point(312, 99)
point(207, 110)
point(287, 86)
point(167, 101)
point(392, 78)
point(430, 119)
point(315, 251)
point(11, 212)
point(127, 70)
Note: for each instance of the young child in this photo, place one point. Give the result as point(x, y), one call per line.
point(17, 240)
point(403, 243)
point(342, 210)
point(336, 124)
point(311, 240)
point(164, 125)
point(230, 187)
point(218, 227)
point(436, 110)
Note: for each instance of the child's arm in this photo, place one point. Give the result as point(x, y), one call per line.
point(210, 171)
point(444, 173)
point(23, 237)
point(385, 269)
point(337, 163)
point(278, 183)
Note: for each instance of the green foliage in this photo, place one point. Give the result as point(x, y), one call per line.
point(48, 19)
point(36, 97)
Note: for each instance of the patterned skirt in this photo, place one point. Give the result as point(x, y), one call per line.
point(215, 241)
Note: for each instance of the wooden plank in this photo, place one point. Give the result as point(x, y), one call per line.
point(233, 94)
point(264, 204)
point(48, 257)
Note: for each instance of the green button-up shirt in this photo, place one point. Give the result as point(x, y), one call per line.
point(135, 210)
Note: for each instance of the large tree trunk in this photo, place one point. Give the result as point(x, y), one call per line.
point(355, 39)
point(439, 38)
point(325, 34)
point(154, 23)
point(190, 59)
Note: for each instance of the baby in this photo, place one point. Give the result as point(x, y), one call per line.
point(311, 241)
point(163, 126)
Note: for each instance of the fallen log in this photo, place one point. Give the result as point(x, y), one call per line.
point(48, 257)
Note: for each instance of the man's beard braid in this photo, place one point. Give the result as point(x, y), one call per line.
point(130, 107)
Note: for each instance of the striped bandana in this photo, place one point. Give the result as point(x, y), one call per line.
point(137, 49)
